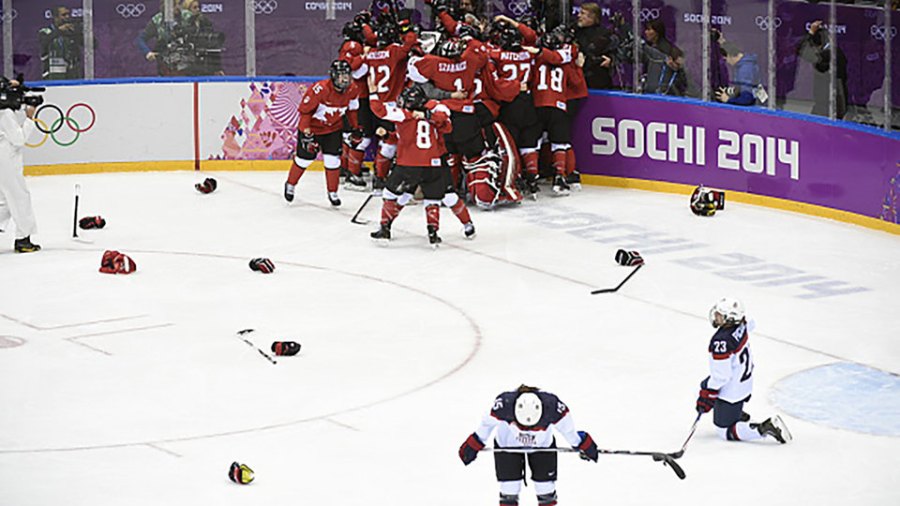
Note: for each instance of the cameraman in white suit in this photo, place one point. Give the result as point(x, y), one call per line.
point(15, 199)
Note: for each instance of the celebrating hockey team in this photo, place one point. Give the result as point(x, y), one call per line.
point(490, 96)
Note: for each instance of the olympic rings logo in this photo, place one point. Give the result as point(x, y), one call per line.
point(647, 13)
point(763, 22)
point(12, 15)
point(881, 32)
point(518, 8)
point(131, 10)
point(265, 6)
point(50, 130)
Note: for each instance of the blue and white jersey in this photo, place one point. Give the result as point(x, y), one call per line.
point(730, 362)
point(509, 434)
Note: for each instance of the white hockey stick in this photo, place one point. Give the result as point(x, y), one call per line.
point(240, 335)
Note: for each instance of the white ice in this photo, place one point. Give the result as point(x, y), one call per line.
point(133, 390)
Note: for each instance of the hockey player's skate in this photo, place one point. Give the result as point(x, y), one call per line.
point(560, 186)
point(377, 186)
point(574, 180)
point(531, 184)
point(355, 183)
point(433, 238)
point(469, 230)
point(24, 245)
point(334, 199)
point(288, 192)
point(383, 234)
point(776, 428)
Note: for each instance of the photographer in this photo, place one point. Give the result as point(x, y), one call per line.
point(62, 47)
point(207, 43)
point(745, 74)
point(15, 199)
point(169, 59)
point(663, 62)
point(816, 49)
point(593, 41)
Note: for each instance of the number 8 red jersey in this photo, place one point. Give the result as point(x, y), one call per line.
point(420, 141)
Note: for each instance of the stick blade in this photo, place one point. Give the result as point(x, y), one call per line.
point(669, 460)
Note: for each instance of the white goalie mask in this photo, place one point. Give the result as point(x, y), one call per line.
point(528, 409)
point(731, 309)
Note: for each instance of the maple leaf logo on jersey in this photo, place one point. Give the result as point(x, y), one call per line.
point(324, 112)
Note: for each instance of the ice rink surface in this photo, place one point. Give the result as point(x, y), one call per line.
point(134, 390)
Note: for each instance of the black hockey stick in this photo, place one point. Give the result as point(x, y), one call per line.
point(363, 206)
point(75, 216)
point(240, 335)
point(668, 459)
point(679, 453)
point(611, 290)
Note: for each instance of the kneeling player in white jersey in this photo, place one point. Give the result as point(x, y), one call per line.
point(522, 419)
point(730, 380)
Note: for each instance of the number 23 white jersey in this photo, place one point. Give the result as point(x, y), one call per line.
point(731, 363)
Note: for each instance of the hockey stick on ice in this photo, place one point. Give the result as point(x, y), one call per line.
point(240, 335)
point(611, 290)
point(363, 206)
point(75, 217)
point(667, 459)
point(679, 453)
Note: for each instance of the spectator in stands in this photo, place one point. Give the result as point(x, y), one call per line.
point(593, 41)
point(166, 52)
point(816, 49)
point(62, 47)
point(744, 75)
point(663, 62)
point(207, 43)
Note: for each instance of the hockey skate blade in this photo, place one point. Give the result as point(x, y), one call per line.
point(785, 433)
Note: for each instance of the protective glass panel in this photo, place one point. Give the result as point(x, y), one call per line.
point(671, 48)
point(45, 47)
point(861, 42)
point(739, 52)
point(608, 35)
point(295, 38)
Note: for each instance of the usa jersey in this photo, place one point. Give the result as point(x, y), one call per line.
point(322, 108)
point(731, 363)
point(510, 434)
point(549, 78)
point(420, 142)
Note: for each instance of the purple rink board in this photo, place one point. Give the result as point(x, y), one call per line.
point(742, 149)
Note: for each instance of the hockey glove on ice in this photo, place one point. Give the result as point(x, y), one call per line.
point(89, 222)
point(628, 257)
point(285, 348)
point(470, 448)
point(263, 265)
point(588, 447)
point(707, 399)
point(208, 185)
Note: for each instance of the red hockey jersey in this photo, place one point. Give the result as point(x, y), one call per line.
point(549, 80)
point(420, 141)
point(388, 65)
point(450, 75)
point(352, 53)
point(322, 107)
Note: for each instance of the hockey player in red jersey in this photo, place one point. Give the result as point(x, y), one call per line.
point(730, 381)
point(356, 140)
point(522, 419)
point(421, 155)
point(387, 65)
point(321, 113)
point(549, 88)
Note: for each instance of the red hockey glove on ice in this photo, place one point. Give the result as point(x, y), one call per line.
point(207, 186)
point(588, 447)
point(89, 222)
point(263, 265)
point(285, 348)
point(470, 448)
point(707, 398)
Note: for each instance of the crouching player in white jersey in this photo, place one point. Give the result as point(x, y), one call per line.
point(522, 419)
point(730, 380)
